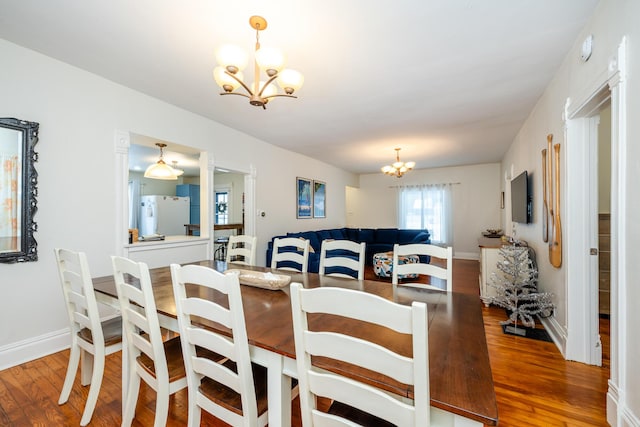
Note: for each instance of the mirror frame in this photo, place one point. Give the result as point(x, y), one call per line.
point(28, 245)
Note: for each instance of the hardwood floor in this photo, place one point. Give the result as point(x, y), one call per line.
point(534, 385)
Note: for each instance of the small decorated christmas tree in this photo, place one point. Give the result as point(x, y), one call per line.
point(517, 290)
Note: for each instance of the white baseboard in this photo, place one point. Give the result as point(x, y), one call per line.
point(612, 404)
point(467, 255)
point(24, 351)
point(34, 348)
point(557, 333)
point(618, 413)
point(628, 419)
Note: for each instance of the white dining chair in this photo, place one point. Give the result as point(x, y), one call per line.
point(242, 249)
point(342, 258)
point(236, 390)
point(90, 336)
point(158, 363)
point(354, 401)
point(443, 254)
point(290, 253)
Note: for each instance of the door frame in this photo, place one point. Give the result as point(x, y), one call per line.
point(582, 315)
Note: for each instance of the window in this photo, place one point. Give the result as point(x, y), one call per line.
point(427, 207)
point(222, 207)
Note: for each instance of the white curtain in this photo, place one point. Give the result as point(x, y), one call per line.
point(10, 196)
point(427, 207)
point(134, 202)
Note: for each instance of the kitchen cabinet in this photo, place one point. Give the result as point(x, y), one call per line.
point(489, 257)
point(193, 192)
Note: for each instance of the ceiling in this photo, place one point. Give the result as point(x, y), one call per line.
point(144, 152)
point(448, 81)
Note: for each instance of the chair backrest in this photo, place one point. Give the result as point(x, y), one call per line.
point(77, 287)
point(242, 249)
point(338, 255)
point(88, 332)
point(445, 254)
point(290, 253)
point(360, 308)
point(234, 347)
point(139, 316)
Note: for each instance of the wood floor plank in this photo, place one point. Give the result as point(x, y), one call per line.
point(534, 385)
point(10, 410)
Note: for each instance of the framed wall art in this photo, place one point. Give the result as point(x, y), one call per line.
point(319, 199)
point(304, 198)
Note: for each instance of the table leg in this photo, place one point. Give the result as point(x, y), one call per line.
point(278, 386)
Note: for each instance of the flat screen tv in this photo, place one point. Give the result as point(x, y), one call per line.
point(520, 199)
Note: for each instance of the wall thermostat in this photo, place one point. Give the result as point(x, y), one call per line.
point(587, 47)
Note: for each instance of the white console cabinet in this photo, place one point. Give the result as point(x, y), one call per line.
point(489, 257)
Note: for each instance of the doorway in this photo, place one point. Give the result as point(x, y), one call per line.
point(581, 192)
point(604, 214)
point(228, 207)
point(583, 175)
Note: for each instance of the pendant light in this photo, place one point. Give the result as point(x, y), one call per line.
point(176, 170)
point(160, 170)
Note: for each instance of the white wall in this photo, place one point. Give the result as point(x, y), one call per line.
point(476, 201)
point(78, 114)
point(575, 79)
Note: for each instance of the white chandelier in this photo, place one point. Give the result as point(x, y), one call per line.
point(232, 60)
point(398, 168)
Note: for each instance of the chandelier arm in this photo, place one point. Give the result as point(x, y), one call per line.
point(239, 81)
point(272, 78)
point(280, 94)
point(235, 93)
point(396, 169)
point(254, 92)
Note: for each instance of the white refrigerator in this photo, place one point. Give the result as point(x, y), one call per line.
point(165, 215)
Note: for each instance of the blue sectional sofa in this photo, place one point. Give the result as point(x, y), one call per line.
point(377, 240)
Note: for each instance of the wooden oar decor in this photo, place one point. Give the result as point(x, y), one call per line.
point(545, 207)
point(555, 241)
point(550, 185)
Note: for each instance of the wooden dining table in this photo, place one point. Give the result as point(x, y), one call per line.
point(460, 373)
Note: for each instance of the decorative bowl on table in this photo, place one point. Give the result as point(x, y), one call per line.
point(492, 232)
point(260, 279)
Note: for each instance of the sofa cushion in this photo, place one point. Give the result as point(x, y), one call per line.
point(337, 234)
point(366, 235)
point(406, 236)
point(386, 235)
point(324, 235)
point(351, 234)
point(311, 236)
point(375, 248)
point(422, 237)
